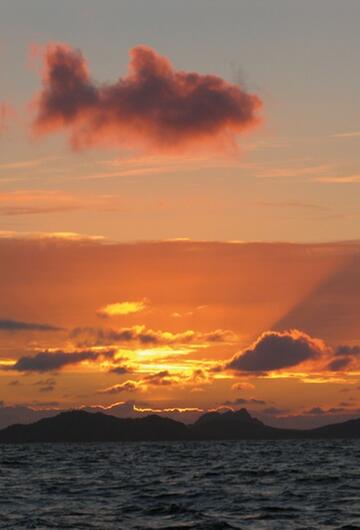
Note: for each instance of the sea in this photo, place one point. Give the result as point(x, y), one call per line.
point(287, 484)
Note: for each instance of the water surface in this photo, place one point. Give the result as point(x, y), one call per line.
point(288, 484)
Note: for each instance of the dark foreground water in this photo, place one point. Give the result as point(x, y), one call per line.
point(279, 485)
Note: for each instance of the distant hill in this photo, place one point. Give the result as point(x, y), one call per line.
point(346, 429)
point(234, 425)
point(81, 426)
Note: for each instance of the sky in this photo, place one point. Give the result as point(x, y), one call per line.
point(179, 213)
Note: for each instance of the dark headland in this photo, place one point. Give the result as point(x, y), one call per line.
point(81, 426)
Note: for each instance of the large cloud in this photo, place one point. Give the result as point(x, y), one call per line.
point(48, 361)
point(276, 350)
point(153, 105)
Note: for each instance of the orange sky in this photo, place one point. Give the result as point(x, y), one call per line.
point(179, 217)
point(159, 323)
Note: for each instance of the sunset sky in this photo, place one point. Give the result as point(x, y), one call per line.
point(179, 208)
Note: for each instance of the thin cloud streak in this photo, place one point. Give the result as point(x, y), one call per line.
point(26, 164)
point(351, 134)
point(347, 179)
point(18, 325)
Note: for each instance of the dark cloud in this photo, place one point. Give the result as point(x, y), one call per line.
point(274, 411)
point(162, 378)
point(120, 370)
point(344, 355)
point(153, 106)
point(345, 349)
point(337, 365)
point(47, 385)
point(276, 350)
point(96, 336)
point(243, 401)
point(315, 410)
point(18, 325)
point(321, 411)
point(49, 361)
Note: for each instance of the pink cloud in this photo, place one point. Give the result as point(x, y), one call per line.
point(154, 106)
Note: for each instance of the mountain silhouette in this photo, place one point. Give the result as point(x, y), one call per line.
point(82, 426)
point(233, 425)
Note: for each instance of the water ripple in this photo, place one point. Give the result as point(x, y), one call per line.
point(288, 484)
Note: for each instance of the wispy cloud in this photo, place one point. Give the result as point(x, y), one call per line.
point(346, 179)
point(97, 336)
point(293, 204)
point(37, 202)
point(144, 165)
point(351, 134)
point(310, 171)
point(6, 112)
point(18, 325)
point(50, 236)
point(26, 164)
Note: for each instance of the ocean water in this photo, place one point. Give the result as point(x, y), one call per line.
point(204, 485)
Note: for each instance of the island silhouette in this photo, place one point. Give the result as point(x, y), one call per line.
point(82, 426)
